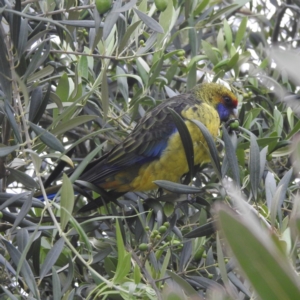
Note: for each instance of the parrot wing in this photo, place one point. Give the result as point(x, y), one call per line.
point(145, 143)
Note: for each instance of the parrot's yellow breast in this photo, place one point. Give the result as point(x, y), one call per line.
point(172, 164)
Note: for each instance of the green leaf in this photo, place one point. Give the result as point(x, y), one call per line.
point(126, 38)
point(104, 95)
point(254, 165)
point(25, 179)
point(240, 35)
point(5, 150)
point(124, 258)
point(40, 74)
point(122, 83)
point(212, 150)
point(233, 61)
point(111, 19)
point(169, 209)
point(294, 130)
point(210, 53)
point(26, 271)
point(5, 74)
point(10, 114)
point(38, 104)
point(25, 208)
point(56, 285)
point(47, 138)
point(231, 156)
point(137, 276)
point(228, 34)
point(200, 7)
point(62, 90)
point(181, 287)
point(151, 23)
point(83, 68)
point(52, 257)
point(40, 55)
point(268, 270)
point(65, 126)
point(220, 41)
point(67, 201)
point(278, 121)
point(186, 141)
point(177, 187)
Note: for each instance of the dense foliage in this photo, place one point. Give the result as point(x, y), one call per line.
point(74, 82)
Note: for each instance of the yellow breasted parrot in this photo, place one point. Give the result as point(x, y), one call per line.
point(154, 151)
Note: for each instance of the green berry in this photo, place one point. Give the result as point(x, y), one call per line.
point(155, 232)
point(234, 125)
point(181, 53)
point(162, 229)
point(161, 5)
point(103, 6)
point(143, 247)
point(167, 224)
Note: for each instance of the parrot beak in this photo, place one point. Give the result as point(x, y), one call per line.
point(235, 113)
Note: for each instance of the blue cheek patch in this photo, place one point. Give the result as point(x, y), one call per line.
point(223, 111)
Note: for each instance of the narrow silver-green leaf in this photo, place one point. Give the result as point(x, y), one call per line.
point(5, 74)
point(148, 45)
point(181, 286)
point(125, 39)
point(70, 277)
point(23, 212)
point(22, 239)
point(26, 271)
point(66, 202)
point(111, 19)
point(241, 32)
point(186, 141)
point(150, 22)
point(127, 6)
point(177, 187)
point(10, 199)
point(52, 257)
point(186, 253)
point(208, 50)
point(40, 55)
point(124, 257)
point(25, 179)
point(56, 285)
point(231, 156)
point(10, 114)
point(71, 124)
point(213, 152)
point(47, 138)
point(104, 95)
point(9, 294)
point(254, 165)
point(4, 151)
point(268, 269)
point(122, 83)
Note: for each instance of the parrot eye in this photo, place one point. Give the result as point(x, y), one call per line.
point(227, 100)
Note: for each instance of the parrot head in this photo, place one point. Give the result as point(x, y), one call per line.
point(217, 95)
